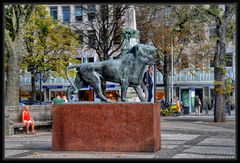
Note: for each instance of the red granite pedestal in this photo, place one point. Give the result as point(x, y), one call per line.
point(112, 127)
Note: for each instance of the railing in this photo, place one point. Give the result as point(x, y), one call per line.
point(26, 80)
point(182, 76)
point(185, 75)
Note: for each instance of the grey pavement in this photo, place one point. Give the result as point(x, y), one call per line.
point(182, 137)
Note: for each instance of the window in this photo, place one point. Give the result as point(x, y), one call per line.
point(212, 32)
point(212, 60)
point(84, 60)
point(199, 61)
point(80, 33)
point(227, 8)
point(79, 58)
point(78, 13)
point(215, 7)
point(104, 11)
point(66, 14)
point(90, 59)
point(91, 12)
point(211, 63)
point(54, 12)
point(184, 61)
point(116, 57)
point(229, 59)
point(118, 38)
point(91, 38)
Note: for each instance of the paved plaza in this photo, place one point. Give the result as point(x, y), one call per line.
point(183, 137)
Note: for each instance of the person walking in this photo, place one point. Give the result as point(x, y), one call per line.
point(179, 106)
point(198, 105)
point(147, 80)
point(228, 108)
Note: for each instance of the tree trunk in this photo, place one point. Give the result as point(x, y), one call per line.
point(219, 75)
point(13, 78)
point(19, 16)
point(166, 73)
point(33, 83)
point(219, 108)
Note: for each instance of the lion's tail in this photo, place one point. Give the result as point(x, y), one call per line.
point(67, 74)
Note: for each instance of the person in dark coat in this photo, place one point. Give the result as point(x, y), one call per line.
point(147, 80)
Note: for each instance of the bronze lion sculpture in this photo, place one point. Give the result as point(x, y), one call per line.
point(126, 70)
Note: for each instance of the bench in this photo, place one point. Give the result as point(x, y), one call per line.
point(20, 125)
point(42, 115)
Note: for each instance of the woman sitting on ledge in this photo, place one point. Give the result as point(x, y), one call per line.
point(27, 119)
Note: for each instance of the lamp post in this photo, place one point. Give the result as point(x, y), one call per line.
point(172, 72)
point(40, 76)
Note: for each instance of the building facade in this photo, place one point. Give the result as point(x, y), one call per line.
point(73, 16)
point(185, 84)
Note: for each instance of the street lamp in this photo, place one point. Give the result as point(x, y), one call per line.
point(39, 76)
point(172, 72)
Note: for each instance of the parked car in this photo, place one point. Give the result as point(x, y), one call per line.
point(21, 104)
point(47, 103)
point(30, 102)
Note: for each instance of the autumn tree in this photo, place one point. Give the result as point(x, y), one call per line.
point(156, 32)
point(221, 16)
point(50, 46)
point(184, 29)
point(15, 19)
point(173, 29)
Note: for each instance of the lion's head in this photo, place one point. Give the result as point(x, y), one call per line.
point(137, 58)
point(145, 53)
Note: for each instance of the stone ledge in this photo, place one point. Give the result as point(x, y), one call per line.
point(41, 113)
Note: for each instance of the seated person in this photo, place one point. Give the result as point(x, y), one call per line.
point(58, 100)
point(27, 119)
point(65, 99)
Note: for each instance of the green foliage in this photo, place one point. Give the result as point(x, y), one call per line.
point(50, 45)
point(225, 87)
point(229, 85)
point(230, 31)
point(218, 83)
point(222, 69)
point(214, 11)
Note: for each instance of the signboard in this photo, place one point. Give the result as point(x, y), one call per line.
point(111, 86)
point(52, 86)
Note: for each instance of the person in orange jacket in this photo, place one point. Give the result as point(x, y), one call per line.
point(179, 106)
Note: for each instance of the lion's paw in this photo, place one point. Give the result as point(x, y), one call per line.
point(75, 92)
point(124, 100)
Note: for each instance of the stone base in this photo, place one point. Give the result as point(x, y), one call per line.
point(113, 127)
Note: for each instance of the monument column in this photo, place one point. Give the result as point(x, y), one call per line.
point(131, 34)
point(131, 38)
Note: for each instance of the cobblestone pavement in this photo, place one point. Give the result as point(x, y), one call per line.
point(183, 137)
